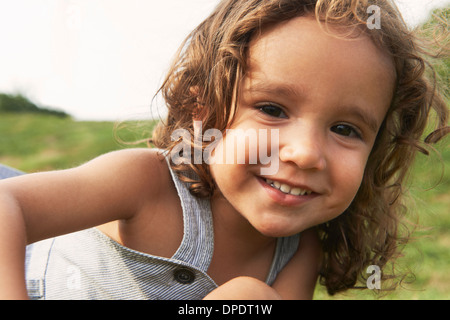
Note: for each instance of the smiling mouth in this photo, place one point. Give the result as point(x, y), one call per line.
point(286, 189)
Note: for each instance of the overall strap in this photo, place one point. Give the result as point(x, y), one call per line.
point(197, 245)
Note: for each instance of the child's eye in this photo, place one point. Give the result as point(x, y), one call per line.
point(346, 131)
point(272, 110)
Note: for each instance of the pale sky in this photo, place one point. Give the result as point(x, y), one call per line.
point(104, 59)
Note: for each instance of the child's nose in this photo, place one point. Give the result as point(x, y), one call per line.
point(304, 149)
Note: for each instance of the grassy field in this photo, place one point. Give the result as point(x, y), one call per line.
point(40, 142)
point(34, 142)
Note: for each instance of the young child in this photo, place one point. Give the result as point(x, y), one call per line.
point(348, 104)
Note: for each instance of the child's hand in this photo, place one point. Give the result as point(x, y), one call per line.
point(243, 288)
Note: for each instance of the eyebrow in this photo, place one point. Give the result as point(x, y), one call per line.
point(281, 89)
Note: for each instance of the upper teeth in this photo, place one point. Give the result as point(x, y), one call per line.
point(288, 189)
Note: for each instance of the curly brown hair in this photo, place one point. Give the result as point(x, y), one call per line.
point(203, 83)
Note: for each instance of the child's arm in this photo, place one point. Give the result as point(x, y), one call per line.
point(39, 206)
point(296, 281)
point(298, 278)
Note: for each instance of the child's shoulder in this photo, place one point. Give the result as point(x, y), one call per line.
point(136, 159)
point(137, 178)
point(148, 162)
point(138, 168)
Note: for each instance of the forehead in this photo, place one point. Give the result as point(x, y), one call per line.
point(324, 42)
point(301, 58)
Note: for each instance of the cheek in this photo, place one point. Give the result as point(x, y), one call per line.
point(224, 169)
point(347, 177)
point(238, 147)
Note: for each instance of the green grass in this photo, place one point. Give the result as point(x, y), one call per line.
point(32, 142)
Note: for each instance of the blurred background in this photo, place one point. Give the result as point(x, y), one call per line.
point(77, 78)
point(103, 59)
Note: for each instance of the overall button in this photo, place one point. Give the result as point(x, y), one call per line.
point(184, 276)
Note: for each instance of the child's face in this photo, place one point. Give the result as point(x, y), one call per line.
point(327, 97)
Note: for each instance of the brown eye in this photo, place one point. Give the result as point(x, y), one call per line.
point(346, 131)
point(273, 111)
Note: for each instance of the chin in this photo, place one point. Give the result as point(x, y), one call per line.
point(277, 229)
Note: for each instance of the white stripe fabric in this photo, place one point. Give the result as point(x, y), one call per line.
point(90, 265)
